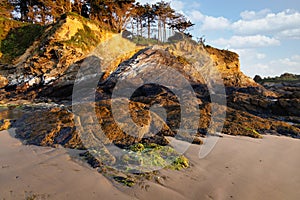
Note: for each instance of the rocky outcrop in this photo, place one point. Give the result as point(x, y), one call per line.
point(110, 92)
point(160, 84)
point(52, 62)
point(286, 105)
point(252, 108)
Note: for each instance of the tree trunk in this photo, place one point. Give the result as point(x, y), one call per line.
point(165, 32)
point(23, 11)
point(132, 27)
point(149, 28)
point(141, 24)
point(137, 27)
point(158, 32)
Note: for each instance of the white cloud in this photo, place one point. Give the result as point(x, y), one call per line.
point(262, 69)
point(289, 34)
point(293, 61)
point(260, 56)
point(177, 5)
point(282, 25)
point(196, 16)
point(296, 57)
point(250, 54)
point(215, 23)
point(194, 4)
point(272, 23)
point(252, 15)
point(252, 62)
point(272, 68)
point(244, 42)
point(208, 22)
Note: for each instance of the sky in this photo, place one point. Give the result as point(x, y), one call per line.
point(265, 33)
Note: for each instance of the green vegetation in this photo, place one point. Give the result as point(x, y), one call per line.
point(139, 40)
point(137, 147)
point(286, 77)
point(6, 25)
point(77, 16)
point(38, 21)
point(180, 162)
point(115, 16)
point(84, 39)
point(153, 156)
point(253, 132)
point(18, 40)
point(148, 156)
point(139, 158)
point(125, 181)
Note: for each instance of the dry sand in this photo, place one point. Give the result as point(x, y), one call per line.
point(28, 171)
point(237, 168)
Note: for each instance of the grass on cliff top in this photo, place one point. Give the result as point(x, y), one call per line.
point(85, 38)
point(6, 25)
point(18, 41)
point(142, 41)
point(16, 37)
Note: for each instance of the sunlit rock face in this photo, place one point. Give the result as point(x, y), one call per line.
point(66, 52)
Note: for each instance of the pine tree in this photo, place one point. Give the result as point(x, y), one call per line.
point(149, 15)
point(139, 16)
point(30, 10)
point(164, 12)
point(180, 23)
point(58, 7)
point(113, 13)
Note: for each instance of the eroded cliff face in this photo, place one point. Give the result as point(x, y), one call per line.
point(51, 54)
point(228, 64)
point(52, 61)
point(251, 109)
point(48, 68)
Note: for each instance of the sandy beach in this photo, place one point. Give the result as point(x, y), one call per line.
point(131, 80)
point(237, 168)
point(48, 173)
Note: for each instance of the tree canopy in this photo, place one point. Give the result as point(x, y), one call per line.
point(116, 15)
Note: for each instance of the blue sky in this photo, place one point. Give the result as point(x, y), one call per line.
point(265, 33)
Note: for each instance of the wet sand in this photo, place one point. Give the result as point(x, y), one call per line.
point(237, 168)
